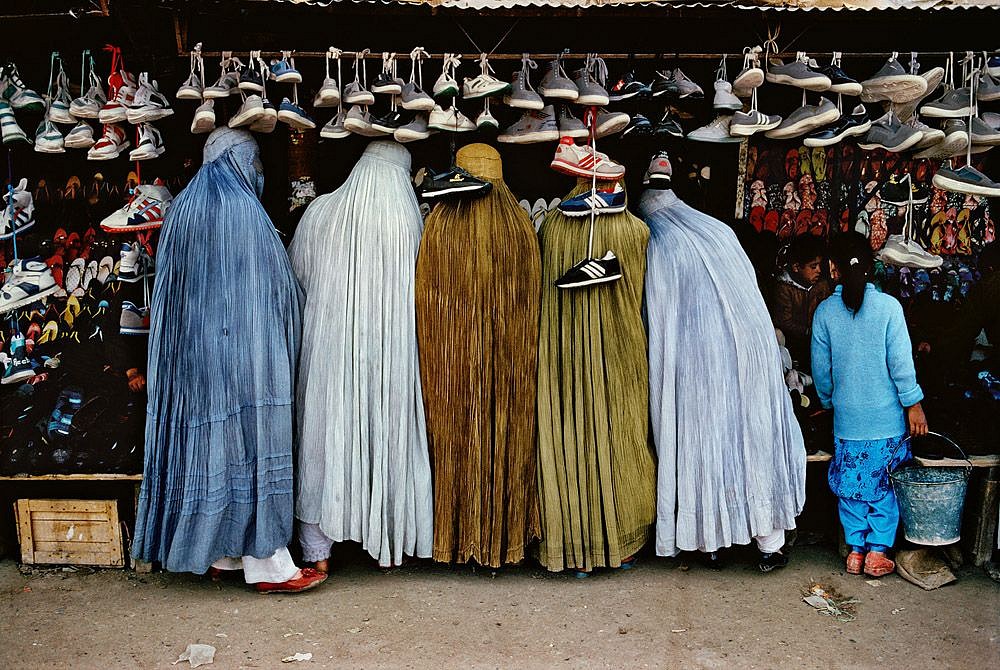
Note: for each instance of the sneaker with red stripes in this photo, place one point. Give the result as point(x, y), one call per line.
point(21, 216)
point(121, 96)
point(583, 161)
point(111, 144)
point(145, 211)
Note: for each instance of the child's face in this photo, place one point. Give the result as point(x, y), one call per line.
point(808, 273)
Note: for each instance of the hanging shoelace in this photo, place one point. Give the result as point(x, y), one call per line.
point(527, 65)
point(336, 54)
point(599, 70)
point(771, 45)
point(417, 57)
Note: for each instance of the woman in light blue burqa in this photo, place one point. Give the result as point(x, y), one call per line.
point(223, 346)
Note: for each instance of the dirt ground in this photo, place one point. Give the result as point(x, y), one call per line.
point(662, 613)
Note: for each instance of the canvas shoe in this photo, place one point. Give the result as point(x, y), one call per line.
point(486, 121)
point(751, 76)
point(455, 183)
point(328, 94)
point(629, 87)
point(294, 116)
point(981, 132)
point(797, 73)
point(717, 131)
point(855, 124)
point(226, 85)
point(724, 98)
point(597, 202)
point(9, 128)
point(356, 94)
point(660, 172)
point(359, 122)
point(123, 89)
point(283, 71)
point(668, 126)
point(745, 124)
point(450, 120)
point(150, 144)
point(204, 118)
point(580, 160)
point(413, 131)
point(415, 99)
point(88, 105)
point(805, 119)
point(557, 85)
point(48, 139)
point(966, 179)
point(889, 134)
point(901, 192)
point(23, 215)
point(111, 144)
point(268, 120)
point(664, 84)
point(902, 252)
point(840, 81)
point(954, 104)
point(988, 89)
point(148, 104)
point(446, 86)
point(191, 89)
point(893, 83)
point(251, 79)
point(955, 141)
point(19, 368)
point(483, 86)
point(639, 127)
point(610, 123)
point(389, 122)
point(521, 95)
point(145, 211)
point(905, 110)
point(590, 87)
point(30, 281)
point(386, 84)
point(929, 136)
point(533, 127)
point(569, 125)
point(15, 92)
point(80, 137)
point(334, 128)
point(249, 112)
point(686, 87)
point(591, 272)
point(993, 66)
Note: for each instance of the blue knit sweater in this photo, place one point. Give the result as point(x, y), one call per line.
point(863, 366)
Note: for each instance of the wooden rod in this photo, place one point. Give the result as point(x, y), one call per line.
point(377, 55)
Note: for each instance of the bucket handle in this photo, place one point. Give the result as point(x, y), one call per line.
point(947, 439)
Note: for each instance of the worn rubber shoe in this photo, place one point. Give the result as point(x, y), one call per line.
point(310, 579)
point(855, 563)
point(878, 564)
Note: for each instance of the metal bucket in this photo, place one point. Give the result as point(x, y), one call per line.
point(931, 500)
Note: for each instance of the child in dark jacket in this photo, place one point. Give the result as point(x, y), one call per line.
point(797, 293)
point(862, 366)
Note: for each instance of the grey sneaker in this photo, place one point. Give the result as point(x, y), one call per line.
point(718, 131)
point(992, 119)
point(905, 110)
point(659, 172)
point(954, 104)
point(414, 98)
point(893, 83)
point(797, 73)
point(751, 76)
point(223, 86)
point(334, 128)
point(889, 134)
point(557, 85)
point(983, 133)
point(521, 95)
point(328, 94)
point(356, 94)
point(930, 136)
point(805, 119)
point(359, 122)
point(592, 94)
point(686, 88)
point(610, 123)
point(724, 98)
point(533, 126)
point(966, 179)
point(745, 124)
point(955, 141)
point(569, 125)
point(989, 88)
point(415, 130)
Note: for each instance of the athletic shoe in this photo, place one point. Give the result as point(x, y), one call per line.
point(48, 139)
point(67, 405)
point(591, 93)
point(251, 80)
point(717, 131)
point(446, 86)
point(955, 141)
point(557, 85)
point(386, 84)
point(993, 66)
point(294, 116)
point(668, 126)
point(111, 144)
point(751, 76)
point(22, 217)
point(328, 94)
point(598, 202)
point(609, 123)
point(929, 136)
point(9, 128)
point(893, 83)
point(413, 98)
point(389, 122)
point(904, 111)
point(80, 137)
point(150, 144)
point(134, 319)
point(580, 160)
point(660, 172)
point(191, 89)
point(30, 281)
point(521, 95)
point(591, 271)
point(123, 87)
point(902, 192)
point(59, 105)
point(413, 131)
point(283, 71)
point(686, 88)
point(724, 98)
point(988, 89)
point(145, 211)
point(854, 124)
point(639, 127)
point(629, 87)
point(664, 84)
point(204, 118)
point(840, 82)
point(356, 94)
point(745, 124)
point(797, 73)
point(251, 110)
point(486, 121)
point(450, 120)
point(968, 180)
point(954, 104)
point(981, 132)
point(226, 85)
point(455, 183)
point(906, 253)
point(806, 119)
point(889, 134)
point(19, 368)
point(14, 91)
point(483, 86)
point(533, 126)
point(569, 125)
point(148, 103)
point(771, 560)
point(88, 105)
point(359, 122)
point(334, 128)
point(134, 264)
point(267, 121)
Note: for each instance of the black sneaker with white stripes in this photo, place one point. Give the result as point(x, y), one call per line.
point(591, 271)
point(455, 183)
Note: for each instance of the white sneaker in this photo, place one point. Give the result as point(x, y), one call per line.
point(150, 144)
point(48, 139)
point(111, 144)
point(446, 86)
point(903, 252)
point(486, 121)
point(251, 110)
point(483, 86)
point(115, 110)
point(204, 118)
point(148, 104)
point(80, 137)
point(450, 120)
point(580, 160)
point(21, 216)
point(145, 211)
point(88, 105)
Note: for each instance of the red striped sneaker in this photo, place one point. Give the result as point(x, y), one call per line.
point(144, 212)
point(583, 161)
point(22, 216)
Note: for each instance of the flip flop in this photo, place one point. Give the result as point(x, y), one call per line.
point(89, 274)
point(104, 269)
point(49, 333)
point(73, 189)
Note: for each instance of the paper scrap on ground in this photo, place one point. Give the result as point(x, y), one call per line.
point(298, 656)
point(197, 654)
point(829, 602)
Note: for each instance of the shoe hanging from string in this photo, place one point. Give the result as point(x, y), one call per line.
point(417, 57)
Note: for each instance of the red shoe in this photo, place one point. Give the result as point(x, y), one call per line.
point(878, 564)
point(855, 562)
point(310, 579)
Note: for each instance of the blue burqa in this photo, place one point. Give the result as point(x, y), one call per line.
point(223, 345)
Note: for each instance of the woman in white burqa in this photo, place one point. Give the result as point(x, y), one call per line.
point(363, 465)
point(731, 457)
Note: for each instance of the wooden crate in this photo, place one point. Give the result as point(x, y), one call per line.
point(69, 532)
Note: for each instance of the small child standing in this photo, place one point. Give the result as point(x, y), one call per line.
point(797, 293)
point(862, 366)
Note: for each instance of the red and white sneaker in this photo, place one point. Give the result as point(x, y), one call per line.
point(23, 211)
point(111, 144)
point(582, 161)
point(150, 144)
point(145, 211)
point(122, 90)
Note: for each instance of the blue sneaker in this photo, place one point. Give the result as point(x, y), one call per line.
point(19, 368)
point(599, 202)
point(61, 420)
point(284, 72)
point(993, 66)
point(294, 116)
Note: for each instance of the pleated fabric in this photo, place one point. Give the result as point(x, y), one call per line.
point(223, 345)
point(364, 472)
point(595, 470)
point(477, 325)
point(731, 457)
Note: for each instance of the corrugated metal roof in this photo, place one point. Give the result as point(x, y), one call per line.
point(772, 5)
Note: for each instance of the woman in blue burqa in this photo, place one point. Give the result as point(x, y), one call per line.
point(223, 345)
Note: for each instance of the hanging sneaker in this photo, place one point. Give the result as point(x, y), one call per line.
point(9, 128)
point(446, 86)
point(797, 73)
point(59, 105)
point(134, 264)
point(359, 122)
point(724, 98)
point(902, 252)
point(928, 136)
point(954, 104)
point(686, 87)
point(204, 118)
point(111, 144)
point(889, 134)
point(966, 179)
point(840, 81)
point(668, 126)
point(413, 131)
point(716, 131)
point(226, 85)
point(591, 92)
point(19, 368)
point(389, 122)
point(283, 71)
point(904, 111)
point(450, 120)
point(980, 131)
point(455, 183)
point(486, 121)
point(955, 141)
point(533, 127)
point(988, 89)
point(356, 94)
point(569, 125)
point(580, 160)
point(745, 124)
point(134, 320)
point(660, 172)
point(150, 144)
point(483, 86)
point(30, 281)
point(893, 83)
point(629, 87)
point(294, 116)
point(413, 98)
point(14, 91)
point(268, 120)
point(48, 139)
point(80, 137)
point(521, 95)
point(145, 211)
point(88, 105)
point(334, 128)
point(386, 84)
point(665, 85)
point(599, 202)
point(751, 76)
point(610, 123)
point(855, 124)
point(148, 104)
point(123, 87)
point(557, 85)
point(639, 127)
point(23, 215)
point(902, 192)
point(251, 79)
point(591, 272)
point(250, 111)
point(805, 119)
point(191, 89)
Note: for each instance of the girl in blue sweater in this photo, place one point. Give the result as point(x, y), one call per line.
point(862, 366)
